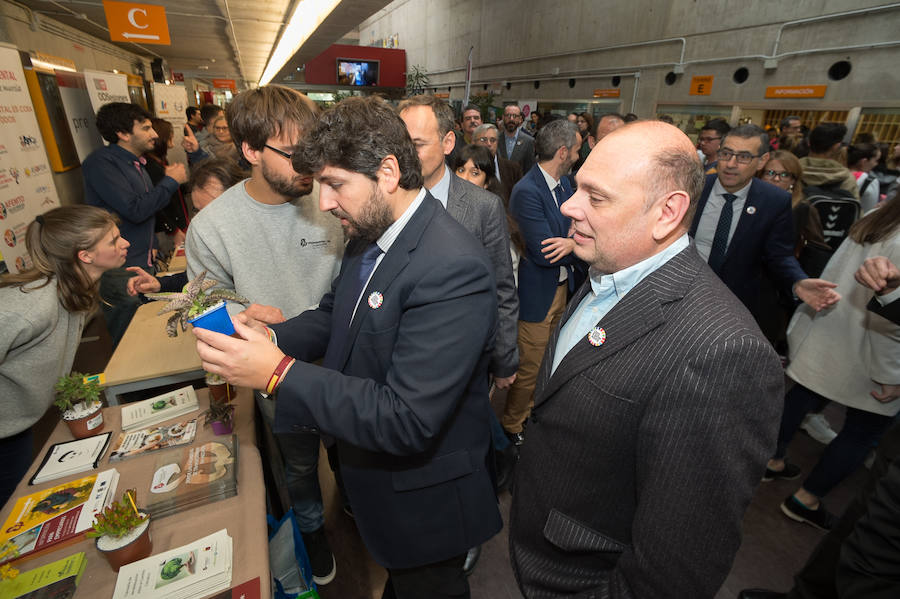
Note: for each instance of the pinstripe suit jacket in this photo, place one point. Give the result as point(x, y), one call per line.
point(644, 452)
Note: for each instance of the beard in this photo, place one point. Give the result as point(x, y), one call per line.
point(373, 220)
point(291, 188)
point(510, 126)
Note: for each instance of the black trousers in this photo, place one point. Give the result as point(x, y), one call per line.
point(441, 580)
point(817, 578)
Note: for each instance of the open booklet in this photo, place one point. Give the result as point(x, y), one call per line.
point(71, 457)
point(193, 570)
point(153, 439)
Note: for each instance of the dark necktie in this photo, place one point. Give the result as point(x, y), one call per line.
point(558, 194)
point(720, 239)
point(344, 303)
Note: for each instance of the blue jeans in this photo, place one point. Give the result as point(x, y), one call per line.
point(15, 455)
point(861, 431)
point(300, 456)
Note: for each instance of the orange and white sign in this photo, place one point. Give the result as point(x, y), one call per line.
point(443, 95)
point(139, 23)
point(607, 93)
point(796, 91)
point(701, 85)
point(225, 84)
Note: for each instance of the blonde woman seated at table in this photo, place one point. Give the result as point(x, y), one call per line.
point(42, 313)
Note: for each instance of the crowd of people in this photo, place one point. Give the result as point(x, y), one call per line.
point(635, 295)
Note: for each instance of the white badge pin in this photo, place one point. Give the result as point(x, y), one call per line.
point(375, 300)
point(751, 209)
point(597, 336)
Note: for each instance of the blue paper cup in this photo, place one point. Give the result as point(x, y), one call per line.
point(215, 319)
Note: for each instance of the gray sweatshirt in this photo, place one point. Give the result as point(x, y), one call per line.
point(284, 256)
point(38, 341)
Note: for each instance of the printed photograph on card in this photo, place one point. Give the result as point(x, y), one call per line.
point(176, 568)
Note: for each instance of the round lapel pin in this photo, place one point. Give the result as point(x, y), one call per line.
point(375, 300)
point(597, 336)
point(751, 209)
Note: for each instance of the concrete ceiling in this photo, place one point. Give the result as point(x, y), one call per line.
point(230, 39)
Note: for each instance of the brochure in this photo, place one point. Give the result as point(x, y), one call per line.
point(193, 570)
point(159, 409)
point(57, 580)
point(61, 513)
point(194, 476)
point(153, 439)
point(71, 457)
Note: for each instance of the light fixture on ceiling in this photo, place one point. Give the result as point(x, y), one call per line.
point(307, 17)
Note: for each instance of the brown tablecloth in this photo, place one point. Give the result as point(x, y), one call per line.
point(243, 516)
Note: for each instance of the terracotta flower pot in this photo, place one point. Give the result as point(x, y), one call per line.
point(132, 547)
point(221, 392)
point(84, 422)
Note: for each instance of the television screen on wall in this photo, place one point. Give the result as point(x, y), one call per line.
point(357, 72)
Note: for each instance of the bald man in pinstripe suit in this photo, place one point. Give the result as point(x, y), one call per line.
point(658, 399)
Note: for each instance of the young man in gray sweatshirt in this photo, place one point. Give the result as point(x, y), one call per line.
point(267, 239)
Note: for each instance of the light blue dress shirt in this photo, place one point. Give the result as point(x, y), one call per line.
point(606, 291)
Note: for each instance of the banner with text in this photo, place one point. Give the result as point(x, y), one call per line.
point(79, 113)
point(169, 103)
point(26, 183)
point(104, 88)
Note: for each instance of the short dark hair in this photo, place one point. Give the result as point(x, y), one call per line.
point(630, 117)
point(357, 135)
point(442, 111)
point(209, 111)
point(224, 170)
point(480, 156)
point(256, 115)
point(860, 151)
point(750, 131)
point(720, 126)
point(824, 136)
point(470, 107)
point(554, 135)
point(119, 116)
point(190, 111)
point(786, 121)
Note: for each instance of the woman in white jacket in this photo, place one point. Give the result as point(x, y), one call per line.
point(849, 355)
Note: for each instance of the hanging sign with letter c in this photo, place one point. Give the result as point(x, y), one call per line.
point(138, 23)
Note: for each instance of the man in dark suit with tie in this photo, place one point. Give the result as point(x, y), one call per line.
point(406, 335)
point(515, 144)
point(548, 271)
point(657, 401)
point(743, 225)
point(508, 172)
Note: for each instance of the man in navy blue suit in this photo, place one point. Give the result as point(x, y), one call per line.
point(743, 225)
point(548, 271)
point(405, 336)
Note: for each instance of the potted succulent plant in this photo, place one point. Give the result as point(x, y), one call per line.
point(194, 305)
point(122, 532)
point(78, 398)
point(220, 416)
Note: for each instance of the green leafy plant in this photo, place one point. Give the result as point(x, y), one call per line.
point(219, 412)
point(119, 519)
point(192, 300)
point(71, 390)
point(416, 80)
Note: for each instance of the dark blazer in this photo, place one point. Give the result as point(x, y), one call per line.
point(510, 174)
point(523, 152)
point(483, 215)
point(643, 452)
point(539, 218)
point(408, 405)
point(764, 238)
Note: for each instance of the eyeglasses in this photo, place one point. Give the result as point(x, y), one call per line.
point(708, 139)
point(770, 174)
point(287, 155)
point(487, 140)
point(225, 128)
point(726, 155)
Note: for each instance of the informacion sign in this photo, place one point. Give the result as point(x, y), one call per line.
point(796, 91)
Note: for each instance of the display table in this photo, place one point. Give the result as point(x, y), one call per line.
point(243, 516)
point(146, 357)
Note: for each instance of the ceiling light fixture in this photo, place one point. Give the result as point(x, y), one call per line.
point(307, 17)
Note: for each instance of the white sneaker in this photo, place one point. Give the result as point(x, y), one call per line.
point(818, 428)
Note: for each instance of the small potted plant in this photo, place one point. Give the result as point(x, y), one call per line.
point(220, 416)
point(195, 306)
point(122, 532)
point(220, 391)
point(78, 398)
